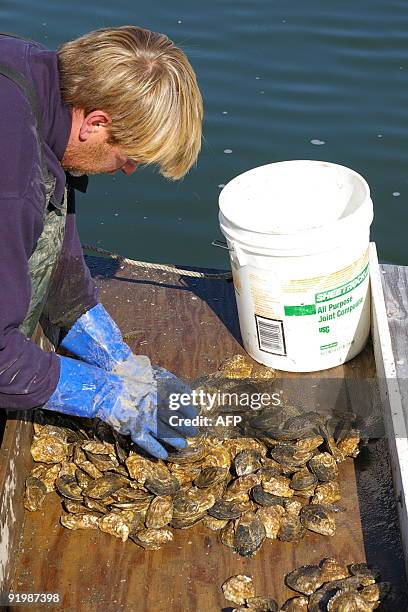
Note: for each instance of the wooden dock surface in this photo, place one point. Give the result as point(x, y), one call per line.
point(190, 326)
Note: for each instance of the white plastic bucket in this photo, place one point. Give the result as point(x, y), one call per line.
point(298, 234)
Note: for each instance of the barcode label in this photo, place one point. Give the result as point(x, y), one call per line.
point(271, 338)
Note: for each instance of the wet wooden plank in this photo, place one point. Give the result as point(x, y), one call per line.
point(389, 285)
point(188, 326)
point(14, 462)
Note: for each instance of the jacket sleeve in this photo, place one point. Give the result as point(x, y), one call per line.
point(72, 291)
point(28, 375)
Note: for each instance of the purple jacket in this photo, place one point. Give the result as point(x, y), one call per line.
point(28, 375)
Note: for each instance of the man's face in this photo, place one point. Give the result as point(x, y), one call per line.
point(90, 153)
point(95, 158)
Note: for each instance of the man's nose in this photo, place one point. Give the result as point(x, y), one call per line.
point(129, 167)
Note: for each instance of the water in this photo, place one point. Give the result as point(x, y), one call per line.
point(280, 80)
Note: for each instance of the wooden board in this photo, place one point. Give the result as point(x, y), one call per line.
point(389, 331)
point(13, 468)
point(15, 462)
point(188, 326)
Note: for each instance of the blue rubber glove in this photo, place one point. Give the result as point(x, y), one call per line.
point(96, 339)
point(128, 405)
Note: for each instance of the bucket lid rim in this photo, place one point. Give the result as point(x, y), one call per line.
point(231, 185)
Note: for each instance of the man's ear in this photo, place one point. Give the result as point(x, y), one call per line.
point(93, 123)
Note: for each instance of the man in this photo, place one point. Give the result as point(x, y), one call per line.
point(104, 102)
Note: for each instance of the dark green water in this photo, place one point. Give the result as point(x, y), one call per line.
point(275, 75)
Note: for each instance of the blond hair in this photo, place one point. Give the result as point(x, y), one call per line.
point(148, 87)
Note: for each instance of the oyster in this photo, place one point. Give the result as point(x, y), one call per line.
point(98, 448)
point(49, 449)
point(373, 593)
point(262, 498)
point(319, 598)
point(268, 471)
point(296, 604)
point(82, 478)
point(218, 456)
point(271, 518)
point(74, 507)
point(236, 445)
point(131, 498)
point(35, 492)
point(294, 427)
point(210, 476)
point(348, 445)
point(227, 535)
point(158, 485)
point(226, 510)
point(348, 601)
point(247, 462)
point(160, 512)
point(305, 579)
point(278, 485)
point(262, 604)
point(95, 505)
point(327, 493)
point(218, 490)
point(324, 466)
point(214, 524)
point(117, 524)
point(244, 483)
point(195, 451)
point(305, 493)
point(363, 571)
point(303, 479)
point(186, 473)
point(268, 462)
point(68, 487)
point(80, 521)
point(104, 486)
point(48, 475)
point(139, 468)
point(91, 469)
point(238, 497)
point(331, 569)
point(136, 524)
point(249, 535)
point(189, 507)
point(311, 443)
point(238, 589)
point(68, 468)
point(102, 462)
point(53, 430)
point(291, 529)
point(290, 456)
point(152, 539)
point(317, 518)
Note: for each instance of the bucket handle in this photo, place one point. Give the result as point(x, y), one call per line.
point(240, 256)
point(221, 245)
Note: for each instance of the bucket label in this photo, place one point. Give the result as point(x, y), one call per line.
point(318, 315)
point(271, 337)
point(325, 296)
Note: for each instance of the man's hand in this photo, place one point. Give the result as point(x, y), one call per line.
point(132, 406)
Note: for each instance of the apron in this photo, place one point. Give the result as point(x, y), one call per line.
point(48, 248)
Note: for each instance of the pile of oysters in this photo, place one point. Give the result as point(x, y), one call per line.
point(330, 586)
point(276, 477)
